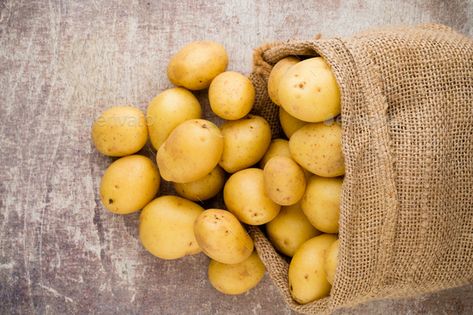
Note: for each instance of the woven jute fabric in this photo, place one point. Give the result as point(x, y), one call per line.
point(406, 217)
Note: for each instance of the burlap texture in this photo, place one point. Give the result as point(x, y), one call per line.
point(406, 221)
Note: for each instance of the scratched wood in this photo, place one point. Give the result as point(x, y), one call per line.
point(61, 64)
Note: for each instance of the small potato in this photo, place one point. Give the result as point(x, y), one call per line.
point(167, 227)
point(331, 261)
point(168, 110)
point(204, 188)
point(195, 65)
point(276, 74)
point(245, 142)
point(120, 131)
point(307, 278)
point(284, 180)
point(308, 91)
point(238, 278)
point(290, 229)
point(129, 184)
point(289, 124)
point(231, 95)
point(318, 149)
point(222, 237)
point(278, 147)
point(321, 203)
point(245, 197)
point(191, 151)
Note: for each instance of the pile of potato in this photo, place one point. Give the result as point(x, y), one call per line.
point(292, 187)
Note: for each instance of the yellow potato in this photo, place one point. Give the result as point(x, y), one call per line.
point(231, 95)
point(191, 151)
point(290, 229)
point(307, 278)
point(120, 131)
point(168, 110)
point(318, 149)
point(331, 261)
point(321, 203)
point(237, 278)
point(276, 74)
point(245, 197)
point(196, 64)
point(284, 180)
point(245, 142)
point(289, 124)
point(167, 227)
point(129, 184)
point(278, 147)
point(222, 237)
point(204, 188)
point(309, 92)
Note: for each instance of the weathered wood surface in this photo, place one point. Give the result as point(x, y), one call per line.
point(61, 64)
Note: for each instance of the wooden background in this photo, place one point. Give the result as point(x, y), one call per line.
point(61, 64)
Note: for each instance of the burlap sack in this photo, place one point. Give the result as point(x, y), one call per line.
point(406, 224)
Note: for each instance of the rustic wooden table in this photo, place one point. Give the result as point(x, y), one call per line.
point(61, 64)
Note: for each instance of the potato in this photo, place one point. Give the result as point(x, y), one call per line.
point(195, 65)
point(245, 197)
point(120, 131)
point(231, 95)
point(222, 237)
point(191, 151)
point(167, 227)
point(290, 229)
point(284, 180)
point(321, 203)
point(289, 124)
point(276, 74)
point(331, 261)
point(318, 149)
point(309, 91)
point(169, 109)
point(204, 188)
point(245, 142)
point(277, 147)
point(307, 278)
point(129, 184)
point(237, 278)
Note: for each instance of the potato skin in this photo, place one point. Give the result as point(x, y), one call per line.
point(318, 149)
point(167, 227)
point(120, 131)
point(168, 110)
point(279, 69)
point(245, 197)
point(308, 91)
point(245, 142)
point(222, 237)
point(290, 229)
point(277, 147)
point(237, 278)
point(331, 261)
point(307, 278)
point(129, 184)
point(289, 124)
point(231, 95)
point(191, 151)
point(196, 64)
point(203, 188)
point(321, 203)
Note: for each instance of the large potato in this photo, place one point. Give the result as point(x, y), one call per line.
point(195, 65)
point(222, 237)
point(169, 109)
point(331, 261)
point(245, 197)
point(284, 180)
point(120, 131)
point(167, 227)
point(321, 203)
point(309, 92)
point(231, 95)
point(276, 74)
point(191, 151)
point(245, 142)
point(318, 149)
point(307, 278)
point(290, 229)
point(236, 278)
point(129, 184)
point(278, 147)
point(289, 124)
point(203, 188)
